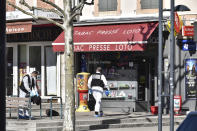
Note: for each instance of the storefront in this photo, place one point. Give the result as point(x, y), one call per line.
point(31, 50)
point(185, 63)
point(127, 57)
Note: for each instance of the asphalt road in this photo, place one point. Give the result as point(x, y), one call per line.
point(164, 128)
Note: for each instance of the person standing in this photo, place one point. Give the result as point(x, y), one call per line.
point(26, 89)
point(96, 84)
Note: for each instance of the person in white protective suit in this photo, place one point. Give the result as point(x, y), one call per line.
point(96, 83)
point(26, 89)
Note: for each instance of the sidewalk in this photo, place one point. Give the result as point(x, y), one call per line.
point(117, 115)
point(121, 121)
point(164, 128)
point(86, 121)
point(111, 115)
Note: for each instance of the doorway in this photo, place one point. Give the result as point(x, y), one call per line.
point(9, 73)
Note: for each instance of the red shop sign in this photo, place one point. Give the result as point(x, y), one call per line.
point(108, 47)
point(188, 31)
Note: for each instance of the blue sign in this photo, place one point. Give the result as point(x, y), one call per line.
point(189, 45)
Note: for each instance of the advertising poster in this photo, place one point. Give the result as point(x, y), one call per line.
point(191, 78)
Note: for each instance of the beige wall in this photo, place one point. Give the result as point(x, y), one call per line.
point(126, 8)
point(192, 4)
point(132, 8)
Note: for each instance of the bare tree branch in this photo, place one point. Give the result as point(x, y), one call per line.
point(23, 2)
point(59, 11)
point(77, 10)
point(78, 6)
point(76, 13)
point(49, 10)
point(34, 16)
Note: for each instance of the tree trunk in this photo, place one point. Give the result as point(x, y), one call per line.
point(69, 111)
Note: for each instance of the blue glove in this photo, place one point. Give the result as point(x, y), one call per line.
point(107, 92)
point(90, 91)
point(31, 93)
point(37, 94)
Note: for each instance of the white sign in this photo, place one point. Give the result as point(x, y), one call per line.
point(16, 15)
point(47, 14)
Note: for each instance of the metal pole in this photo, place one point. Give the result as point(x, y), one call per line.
point(2, 64)
point(172, 46)
point(160, 65)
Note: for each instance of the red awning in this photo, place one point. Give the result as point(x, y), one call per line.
point(120, 37)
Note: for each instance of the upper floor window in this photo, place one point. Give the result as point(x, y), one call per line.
point(149, 4)
point(107, 5)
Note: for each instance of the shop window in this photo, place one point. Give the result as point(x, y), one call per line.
point(51, 71)
point(107, 7)
point(125, 72)
point(22, 61)
point(35, 58)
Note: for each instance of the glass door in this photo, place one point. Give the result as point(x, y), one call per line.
point(35, 58)
point(51, 71)
point(9, 74)
point(35, 63)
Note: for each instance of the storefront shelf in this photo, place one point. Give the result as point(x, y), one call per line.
point(113, 98)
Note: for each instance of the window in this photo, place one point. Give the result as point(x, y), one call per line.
point(108, 5)
point(149, 4)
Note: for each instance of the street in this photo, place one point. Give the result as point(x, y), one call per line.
point(165, 128)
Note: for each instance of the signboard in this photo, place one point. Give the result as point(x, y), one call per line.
point(119, 37)
point(188, 31)
point(177, 104)
point(17, 15)
point(18, 27)
point(51, 15)
point(177, 22)
point(191, 77)
point(189, 45)
point(108, 47)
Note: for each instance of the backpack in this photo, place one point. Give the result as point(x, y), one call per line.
point(22, 87)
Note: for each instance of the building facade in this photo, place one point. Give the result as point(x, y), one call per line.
point(122, 37)
point(29, 48)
